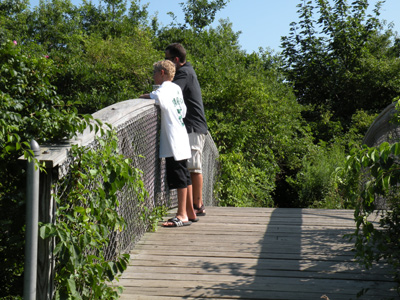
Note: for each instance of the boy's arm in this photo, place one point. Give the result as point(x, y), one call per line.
point(145, 96)
point(152, 95)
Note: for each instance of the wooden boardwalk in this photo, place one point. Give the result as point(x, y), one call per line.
point(254, 253)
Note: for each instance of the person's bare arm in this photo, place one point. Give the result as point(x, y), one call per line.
point(145, 96)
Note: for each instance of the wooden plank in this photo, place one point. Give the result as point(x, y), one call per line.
point(254, 253)
point(300, 285)
point(233, 254)
point(235, 263)
point(235, 290)
point(330, 250)
point(148, 271)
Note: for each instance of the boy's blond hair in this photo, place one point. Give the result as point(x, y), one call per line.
point(168, 67)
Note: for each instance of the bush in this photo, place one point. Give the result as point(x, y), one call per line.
point(243, 184)
point(316, 180)
point(29, 108)
point(104, 72)
point(370, 176)
point(87, 215)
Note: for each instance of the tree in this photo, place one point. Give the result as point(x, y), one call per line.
point(340, 61)
point(13, 18)
point(201, 13)
point(138, 15)
point(29, 108)
point(54, 25)
point(107, 71)
point(251, 112)
point(113, 19)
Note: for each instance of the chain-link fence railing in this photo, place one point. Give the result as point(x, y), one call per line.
point(137, 123)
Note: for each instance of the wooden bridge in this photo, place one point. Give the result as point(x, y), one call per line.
point(255, 253)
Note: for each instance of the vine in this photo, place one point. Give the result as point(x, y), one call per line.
point(87, 215)
point(373, 176)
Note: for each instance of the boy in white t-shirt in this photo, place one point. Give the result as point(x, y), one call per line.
point(174, 140)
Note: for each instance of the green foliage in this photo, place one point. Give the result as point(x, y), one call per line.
point(102, 55)
point(29, 109)
point(372, 176)
point(13, 18)
point(251, 112)
point(201, 13)
point(54, 25)
point(153, 216)
point(112, 18)
point(108, 72)
point(316, 180)
point(339, 61)
point(87, 215)
point(243, 184)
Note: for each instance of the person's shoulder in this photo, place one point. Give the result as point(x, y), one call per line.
point(169, 85)
point(187, 67)
point(186, 70)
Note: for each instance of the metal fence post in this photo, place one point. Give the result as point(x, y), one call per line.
point(31, 233)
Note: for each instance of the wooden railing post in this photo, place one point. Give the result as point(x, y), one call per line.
point(45, 272)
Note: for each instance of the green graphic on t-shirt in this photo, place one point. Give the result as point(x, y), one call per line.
point(177, 102)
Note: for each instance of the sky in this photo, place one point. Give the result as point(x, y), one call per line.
point(262, 23)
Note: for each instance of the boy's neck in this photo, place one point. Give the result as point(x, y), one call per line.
point(165, 81)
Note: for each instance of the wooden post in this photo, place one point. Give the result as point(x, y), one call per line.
point(45, 271)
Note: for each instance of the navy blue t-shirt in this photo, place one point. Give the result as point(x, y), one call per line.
point(186, 78)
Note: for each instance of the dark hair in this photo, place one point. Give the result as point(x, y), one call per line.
point(177, 50)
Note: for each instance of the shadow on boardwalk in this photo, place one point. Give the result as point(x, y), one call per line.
point(254, 253)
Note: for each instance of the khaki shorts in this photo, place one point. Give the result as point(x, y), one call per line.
point(197, 141)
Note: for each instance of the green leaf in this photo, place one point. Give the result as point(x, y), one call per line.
point(79, 209)
point(386, 182)
point(72, 288)
point(395, 149)
point(59, 247)
point(46, 231)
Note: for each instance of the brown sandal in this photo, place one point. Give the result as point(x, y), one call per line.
point(200, 211)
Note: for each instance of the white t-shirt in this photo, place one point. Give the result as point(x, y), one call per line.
point(174, 140)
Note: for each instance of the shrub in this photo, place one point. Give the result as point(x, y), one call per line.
point(104, 72)
point(371, 175)
point(316, 182)
point(29, 108)
point(87, 215)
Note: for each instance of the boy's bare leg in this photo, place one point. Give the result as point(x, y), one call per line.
point(197, 182)
point(181, 213)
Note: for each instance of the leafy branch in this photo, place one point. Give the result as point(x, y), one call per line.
point(377, 170)
point(87, 215)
